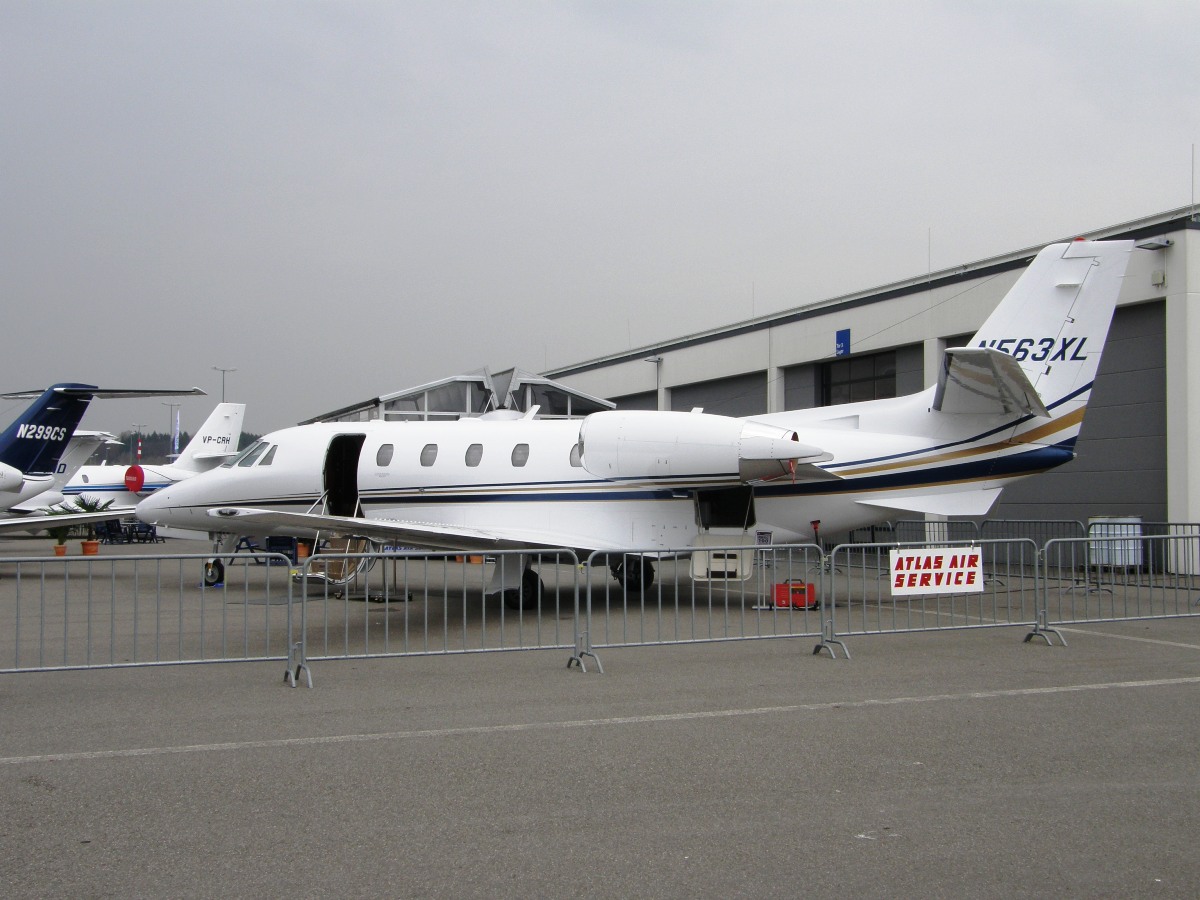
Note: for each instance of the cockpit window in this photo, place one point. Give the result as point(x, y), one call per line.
point(270, 457)
point(256, 448)
point(247, 459)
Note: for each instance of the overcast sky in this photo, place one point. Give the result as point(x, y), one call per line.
point(347, 198)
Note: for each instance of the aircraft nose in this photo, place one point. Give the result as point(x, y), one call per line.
point(150, 509)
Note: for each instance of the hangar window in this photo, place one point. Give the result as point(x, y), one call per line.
point(871, 377)
point(520, 454)
point(577, 456)
point(270, 457)
point(383, 456)
point(428, 454)
point(474, 454)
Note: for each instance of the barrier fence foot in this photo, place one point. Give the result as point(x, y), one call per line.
point(293, 677)
point(1044, 633)
point(295, 666)
point(577, 660)
point(827, 644)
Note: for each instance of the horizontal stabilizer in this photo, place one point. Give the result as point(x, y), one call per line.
point(965, 503)
point(980, 380)
point(106, 393)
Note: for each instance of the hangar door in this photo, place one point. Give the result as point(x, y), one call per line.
point(1120, 467)
point(741, 395)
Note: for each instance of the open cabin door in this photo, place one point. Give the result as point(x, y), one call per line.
point(725, 518)
point(341, 474)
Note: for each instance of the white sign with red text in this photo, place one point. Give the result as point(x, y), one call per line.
point(956, 570)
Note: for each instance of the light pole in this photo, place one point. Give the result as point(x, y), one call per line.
point(136, 449)
point(171, 407)
point(223, 371)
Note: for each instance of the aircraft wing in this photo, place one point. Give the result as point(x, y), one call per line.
point(394, 531)
point(984, 380)
point(34, 524)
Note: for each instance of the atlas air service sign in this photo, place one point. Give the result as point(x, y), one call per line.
point(947, 571)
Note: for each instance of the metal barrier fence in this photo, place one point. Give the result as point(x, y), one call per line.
point(1119, 577)
point(861, 599)
point(718, 593)
point(113, 611)
point(357, 605)
point(89, 612)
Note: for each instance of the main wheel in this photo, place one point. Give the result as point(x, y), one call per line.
point(214, 572)
point(529, 596)
point(634, 573)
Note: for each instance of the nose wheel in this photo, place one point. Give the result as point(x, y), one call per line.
point(214, 572)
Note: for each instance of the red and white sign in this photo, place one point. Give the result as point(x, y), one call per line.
point(135, 479)
point(955, 570)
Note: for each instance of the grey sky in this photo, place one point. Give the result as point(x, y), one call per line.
point(343, 199)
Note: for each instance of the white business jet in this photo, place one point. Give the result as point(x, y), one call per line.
point(652, 483)
point(122, 487)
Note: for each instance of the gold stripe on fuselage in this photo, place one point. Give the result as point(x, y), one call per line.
point(1070, 419)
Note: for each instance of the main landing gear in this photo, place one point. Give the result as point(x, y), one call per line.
point(528, 595)
point(634, 573)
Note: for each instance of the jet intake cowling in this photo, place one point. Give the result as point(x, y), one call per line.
point(686, 447)
point(10, 479)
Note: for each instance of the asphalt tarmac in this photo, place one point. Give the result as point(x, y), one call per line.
point(934, 765)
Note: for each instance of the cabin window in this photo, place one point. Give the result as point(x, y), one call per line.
point(86, 480)
point(428, 455)
point(270, 457)
point(520, 454)
point(869, 377)
point(577, 456)
point(251, 455)
point(383, 456)
point(474, 454)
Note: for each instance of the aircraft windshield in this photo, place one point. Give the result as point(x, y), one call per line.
point(247, 456)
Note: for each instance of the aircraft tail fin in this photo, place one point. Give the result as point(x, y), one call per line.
point(34, 442)
point(1052, 326)
point(216, 440)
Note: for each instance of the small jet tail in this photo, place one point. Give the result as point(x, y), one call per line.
point(216, 440)
point(35, 441)
point(1037, 355)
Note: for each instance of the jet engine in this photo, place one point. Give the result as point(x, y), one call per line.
point(688, 447)
point(10, 479)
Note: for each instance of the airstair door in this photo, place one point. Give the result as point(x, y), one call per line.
point(725, 518)
point(341, 474)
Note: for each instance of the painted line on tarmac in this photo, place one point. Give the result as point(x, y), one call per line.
point(591, 723)
point(1128, 637)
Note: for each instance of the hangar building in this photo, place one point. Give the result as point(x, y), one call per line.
point(1139, 451)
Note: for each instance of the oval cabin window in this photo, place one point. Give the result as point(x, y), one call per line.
point(428, 454)
point(474, 454)
point(520, 454)
point(383, 456)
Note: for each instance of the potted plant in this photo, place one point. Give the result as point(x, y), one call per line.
point(83, 503)
point(60, 533)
